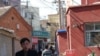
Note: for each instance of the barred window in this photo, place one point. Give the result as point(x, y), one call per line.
point(92, 34)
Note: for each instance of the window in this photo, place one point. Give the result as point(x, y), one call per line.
point(18, 26)
point(89, 26)
point(32, 17)
point(25, 14)
point(92, 34)
point(97, 26)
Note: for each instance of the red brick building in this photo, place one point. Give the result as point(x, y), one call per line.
point(84, 2)
point(11, 19)
point(83, 31)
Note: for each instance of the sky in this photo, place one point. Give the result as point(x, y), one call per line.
point(46, 7)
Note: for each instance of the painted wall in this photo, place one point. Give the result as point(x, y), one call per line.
point(84, 2)
point(76, 17)
point(62, 43)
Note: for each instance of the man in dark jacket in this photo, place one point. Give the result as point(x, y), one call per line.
point(26, 48)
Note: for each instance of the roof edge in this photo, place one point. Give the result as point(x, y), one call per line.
point(71, 7)
point(23, 20)
point(9, 7)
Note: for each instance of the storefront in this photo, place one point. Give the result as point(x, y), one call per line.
point(41, 38)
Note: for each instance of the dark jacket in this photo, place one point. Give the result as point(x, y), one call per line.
point(28, 53)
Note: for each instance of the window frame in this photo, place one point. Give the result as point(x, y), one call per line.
point(87, 42)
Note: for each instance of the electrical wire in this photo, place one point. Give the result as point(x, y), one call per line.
point(46, 4)
point(46, 1)
point(49, 2)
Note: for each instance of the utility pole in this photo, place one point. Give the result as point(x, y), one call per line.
point(30, 13)
point(27, 3)
point(60, 13)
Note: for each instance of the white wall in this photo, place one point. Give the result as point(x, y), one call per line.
point(35, 22)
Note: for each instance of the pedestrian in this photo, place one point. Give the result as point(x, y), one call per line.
point(46, 51)
point(26, 48)
point(33, 48)
point(40, 52)
point(52, 50)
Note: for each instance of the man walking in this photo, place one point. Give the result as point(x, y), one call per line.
point(26, 48)
point(46, 51)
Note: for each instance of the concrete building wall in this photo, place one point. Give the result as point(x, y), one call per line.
point(44, 25)
point(5, 45)
point(31, 15)
point(53, 18)
point(8, 42)
point(17, 45)
point(54, 25)
point(15, 3)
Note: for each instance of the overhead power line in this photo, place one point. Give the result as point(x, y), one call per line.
point(42, 1)
point(46, 1)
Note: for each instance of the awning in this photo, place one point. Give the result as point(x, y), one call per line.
point(61, 31)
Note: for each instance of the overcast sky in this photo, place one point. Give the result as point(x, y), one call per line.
point(46, 7)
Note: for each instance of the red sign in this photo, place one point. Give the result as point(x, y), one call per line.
point(34, 40)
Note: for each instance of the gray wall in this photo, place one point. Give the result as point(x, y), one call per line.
point(8, 43)
point(5, 46)
point(17, 45)
point(15, 3)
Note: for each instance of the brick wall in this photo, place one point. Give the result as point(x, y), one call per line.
point(10, 21)
point(89, 1)
point(79, 16)
point(62, 43)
